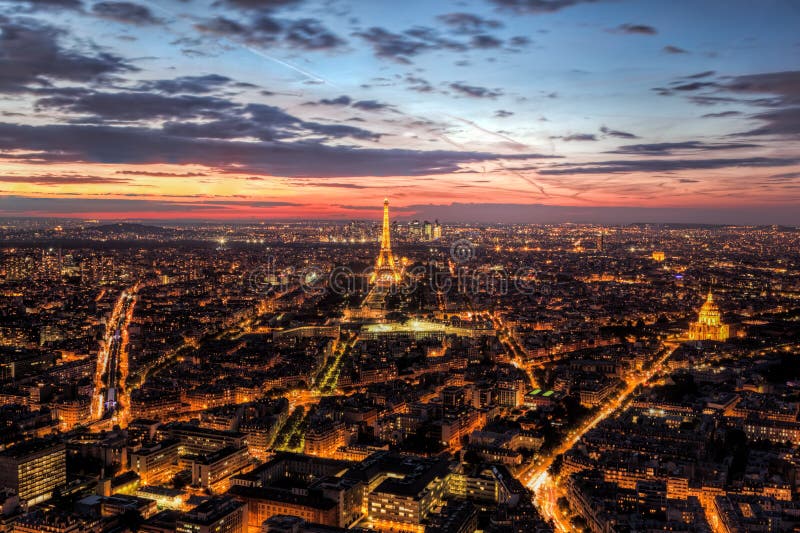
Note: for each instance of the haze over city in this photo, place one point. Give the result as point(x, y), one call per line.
point(482, 110)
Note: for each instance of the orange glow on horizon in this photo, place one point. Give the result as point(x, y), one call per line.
point(159, 191)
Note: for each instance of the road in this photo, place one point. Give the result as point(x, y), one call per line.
point(112, 359)
point(328, 381)
point(546, 489)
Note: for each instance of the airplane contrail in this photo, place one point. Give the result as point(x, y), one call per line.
point(287, 65)
point(484, 130)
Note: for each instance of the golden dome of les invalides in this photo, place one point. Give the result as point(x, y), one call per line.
point(709, 324)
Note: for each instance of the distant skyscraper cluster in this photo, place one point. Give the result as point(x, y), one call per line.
point(425, 231)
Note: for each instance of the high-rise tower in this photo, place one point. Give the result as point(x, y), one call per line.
point(386, 272)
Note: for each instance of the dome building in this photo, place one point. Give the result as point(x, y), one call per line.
point(709, 326)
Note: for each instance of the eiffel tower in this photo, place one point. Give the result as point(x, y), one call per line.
point(386, 272)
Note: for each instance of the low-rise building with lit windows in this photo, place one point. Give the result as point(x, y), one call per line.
point(155, 461)
point(223, 514)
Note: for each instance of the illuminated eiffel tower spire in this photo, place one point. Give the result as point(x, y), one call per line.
point(385, 268)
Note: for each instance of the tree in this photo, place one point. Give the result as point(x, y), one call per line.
point(556, 465)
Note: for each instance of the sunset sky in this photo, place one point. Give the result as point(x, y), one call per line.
point(489, 110)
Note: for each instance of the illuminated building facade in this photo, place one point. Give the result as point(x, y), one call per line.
point(197, 441)
point(213, 471)
point(154, 461)
point(709, 324)
point(51, 523)
point(34, 469)
point(223, 514)
point(324, 439)
point(264, 503)
point(73, 413)
point(407, 493)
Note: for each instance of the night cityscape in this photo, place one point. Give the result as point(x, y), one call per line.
point(318, 266)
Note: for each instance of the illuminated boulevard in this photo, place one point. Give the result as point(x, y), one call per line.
point(112, 362)
point(545, 487)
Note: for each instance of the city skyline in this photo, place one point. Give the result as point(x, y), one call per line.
point(517, 111)
point(264, 378)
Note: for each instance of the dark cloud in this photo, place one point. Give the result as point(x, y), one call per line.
point(693, 86)
point(420, 85)
point(393, 46)
point(617, 133)
point(468, 24)
point(259, 5)
point(235, 128)
point(264, 30)
point(485, 41)
point(678, 147)
point(343, 100)
point(778, 122)
point(31, 56)
point(126, 12)
point(635, 29)
point(669, 49)
point(49, 205)
point(62, 179)
point(722, 114)
point(578, 137)
point(370, 105)
point(665, 165)
point(222, 26)
point(266, 123)
point(251, 203)
point(475, 91)
point(134, 106)
point(44, 5)
point(784, 176)
point(502, 113)
point(358, 207)
point(338, 131)
point(266, 25)
point(704, 74)
point(400, 47)
point(785, 84)
point(310, 34)
point(161, 174)
point(193, 116)
point(140, 145)
point(779, 91)
point(708, 100)
point(537, 6)
point(681, 85)
point(188, 84)
point(520, 40)
point(434, 39)
point(336, 185)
